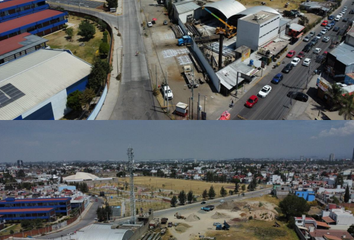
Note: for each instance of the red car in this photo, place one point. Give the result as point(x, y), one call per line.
point(324, 23)
point(290, 54)
point(251, 101)
point(301, 55)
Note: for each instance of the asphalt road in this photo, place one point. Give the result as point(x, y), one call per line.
point(86, 220)
point(135, 100)
point(81, 3)
point(276, 105)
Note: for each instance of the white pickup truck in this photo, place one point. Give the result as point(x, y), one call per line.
point(167, 92)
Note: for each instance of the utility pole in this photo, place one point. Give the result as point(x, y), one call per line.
point(198, 106)
point(132, 195)
point(236, 83)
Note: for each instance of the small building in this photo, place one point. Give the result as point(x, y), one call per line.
point(319, 8)
point(307, 195)
point(184, 10)
point(340, 61)
point(282, 191)
point(255, 30)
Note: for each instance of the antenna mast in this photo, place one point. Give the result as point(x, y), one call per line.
point(132, 195)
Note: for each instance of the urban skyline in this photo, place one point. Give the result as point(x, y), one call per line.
point(53, 141)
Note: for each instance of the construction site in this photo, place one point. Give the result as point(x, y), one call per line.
point(206, 51)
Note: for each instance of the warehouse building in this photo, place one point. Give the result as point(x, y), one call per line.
point(36, 86)
point(16, 8)
point(60, 205)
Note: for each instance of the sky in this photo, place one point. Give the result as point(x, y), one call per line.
point(109, 140)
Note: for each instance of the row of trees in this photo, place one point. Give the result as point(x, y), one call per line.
point(182, 198)
point(104, 213)
point(81, 187)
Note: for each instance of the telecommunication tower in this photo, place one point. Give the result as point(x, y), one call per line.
point(131, 173)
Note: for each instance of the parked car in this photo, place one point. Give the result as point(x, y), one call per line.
point(264, 91)
point(251, 101)
point(165, 22)
point(318, 37)
point(204, 202)
point(306, 62)
point(324, 31)
point(314, 41)
point(330, 17)
point(295, 61)
point(306, 39)
point(351, 11)
point(324, 23)
point(170, 224)
point(317, 50)
point(290, 54)
point(149, 24)
point(337, 18)
point(311, 34)
point(326, 39)
point(277, 78)
point(336, 29)
point(345, 20)
point(301, 55)
point(287, 68)
point(298, 96)
point(308, 47)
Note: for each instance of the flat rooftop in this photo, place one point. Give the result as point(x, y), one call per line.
point(260, 17)
point(12, 3)
point(36, 200)
point(21, 210)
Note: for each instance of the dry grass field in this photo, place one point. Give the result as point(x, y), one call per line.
point(86, 52)
point(177, 185)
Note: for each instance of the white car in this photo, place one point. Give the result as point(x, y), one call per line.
point(167, 92)
point(306, 62)
point(295, 61)
point(317, 50)
point(337, 18)
point(149, 24)
point(326, 39)
point(265, 91)
point(324, 31)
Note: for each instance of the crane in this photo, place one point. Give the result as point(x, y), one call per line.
point(230, 30)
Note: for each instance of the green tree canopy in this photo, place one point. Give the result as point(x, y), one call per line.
point(351, 229)
point(86, 97)
point(182, 197)
point(86, 30)
point(173, 201)
point(74, 101)
point(104, 48)
point(347, 194)
point(190, 196)
point(211, 192)
point(205, 194)
point(223, 192)
point(69, 32)
point(293, 206)
point(347, 107)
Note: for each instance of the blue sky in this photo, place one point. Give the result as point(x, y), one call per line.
point(102, 140)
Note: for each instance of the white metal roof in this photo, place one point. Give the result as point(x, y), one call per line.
point(103, 232)
point(344, 53)
point(81, 176)
point(256, 9)
point(227, 7)
point(183, 7)
point(40, 75)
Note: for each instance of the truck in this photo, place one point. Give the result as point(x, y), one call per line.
point(189, 75)
point(181, 109)
point(184, 40)
point(166, 92)
point(225, 227)
point(164, 220)
point(206, 208)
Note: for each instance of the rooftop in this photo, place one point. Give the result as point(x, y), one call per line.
point(12, 3)
point(38, 76)
point(27, 19)
point(37, 200)
point(183, 7)
point(22, 210)
point(344, 53)
point(260, 18)
point(19, 43)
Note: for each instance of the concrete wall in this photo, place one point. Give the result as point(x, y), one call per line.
point(268, 30)
point(99, 105)
point(247, 34)
point(139, 232)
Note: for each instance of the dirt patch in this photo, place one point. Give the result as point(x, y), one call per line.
point(314, 211)
point(218, 215)
point(192, 218)
point(182, 227)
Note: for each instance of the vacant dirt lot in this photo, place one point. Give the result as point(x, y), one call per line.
point(84, 50)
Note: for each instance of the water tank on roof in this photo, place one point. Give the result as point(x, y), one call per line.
point(251, 62)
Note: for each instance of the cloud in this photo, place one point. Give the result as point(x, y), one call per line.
point(347, 129)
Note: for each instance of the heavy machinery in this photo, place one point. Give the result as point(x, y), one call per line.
point(229, 31)
point(184, 40)
point(225, 227)
point(179, 216)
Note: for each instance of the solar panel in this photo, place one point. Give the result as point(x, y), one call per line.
point(8, 94)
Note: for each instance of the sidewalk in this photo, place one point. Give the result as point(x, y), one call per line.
point(113, 88)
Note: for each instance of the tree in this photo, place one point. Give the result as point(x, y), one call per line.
point(243, 187)
point(223, 192)
point(112, 3)
point(104, 48)
point(347, 194)
point(211, 192)
point(190, 196)
point(335, 92)
point(86, 30)
point(339, 180)
point(236, 187)
point(70, 33)
point(205, 194)
point(20, 174)
point(293, 206)
point(86, 98)
point(347, 107)
point(182, 197)
point(97, 77)
point(173, 201)
point(74, 100)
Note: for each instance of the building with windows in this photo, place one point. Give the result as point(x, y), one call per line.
point(27, 214)
point(261, 28)
point(16, 8)
point(60, 205)
point(331, 157)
